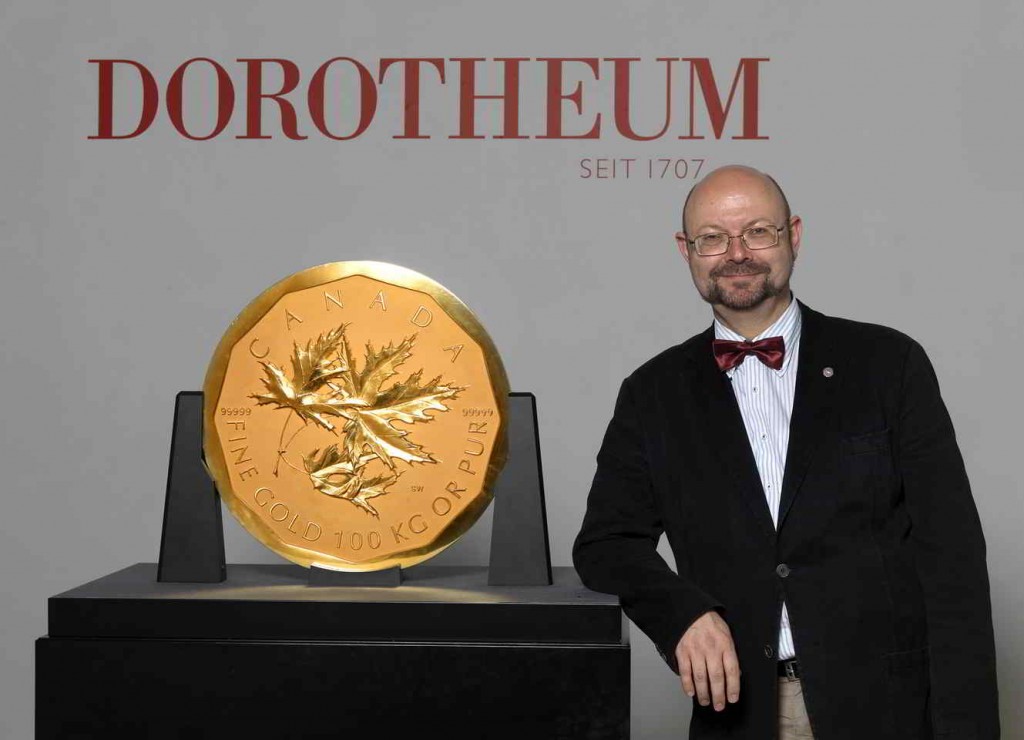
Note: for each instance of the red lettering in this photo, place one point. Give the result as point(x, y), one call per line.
point(700, 71)
point(353, 106)
point(150, 99)
point(555, 97)
point(622, 85)
point(255, 96)
point(367, 98)
point(509, 97)
point(411, 128)
point(225, 99)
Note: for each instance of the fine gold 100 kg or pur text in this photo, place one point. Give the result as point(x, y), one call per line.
point(354, 417)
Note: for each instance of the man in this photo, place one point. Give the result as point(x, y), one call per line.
point(831, 565)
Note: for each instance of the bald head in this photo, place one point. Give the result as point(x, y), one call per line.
point(744, 205)
point(728, 179)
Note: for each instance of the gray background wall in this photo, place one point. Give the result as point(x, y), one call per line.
point(893, 128)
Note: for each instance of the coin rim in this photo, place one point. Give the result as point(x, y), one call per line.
point(402, 277)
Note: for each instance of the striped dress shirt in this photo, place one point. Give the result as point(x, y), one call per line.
point(765, 398)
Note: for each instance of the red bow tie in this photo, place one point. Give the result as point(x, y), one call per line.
point(729, 354)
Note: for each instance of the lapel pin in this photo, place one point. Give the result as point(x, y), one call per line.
point(828, 372)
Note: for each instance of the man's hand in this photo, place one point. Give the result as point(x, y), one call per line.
point(707, 661)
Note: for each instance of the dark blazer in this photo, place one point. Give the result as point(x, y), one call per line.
point(887, 588)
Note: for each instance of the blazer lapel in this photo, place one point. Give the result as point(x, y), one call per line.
point(727, 434)
point(819, 376)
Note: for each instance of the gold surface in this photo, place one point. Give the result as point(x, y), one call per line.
point(354, 417)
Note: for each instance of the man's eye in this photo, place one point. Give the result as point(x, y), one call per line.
point(757, 232)
point(712, 240)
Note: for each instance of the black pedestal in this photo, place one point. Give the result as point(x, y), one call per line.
point(262, 655)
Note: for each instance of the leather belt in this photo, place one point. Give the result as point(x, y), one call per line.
point(789, 668)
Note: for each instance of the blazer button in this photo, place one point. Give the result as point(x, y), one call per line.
point(769, 651)
point(782, 569)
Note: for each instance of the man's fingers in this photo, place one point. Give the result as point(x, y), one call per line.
point(732, 675)
point(708, 666)
point(700, 680)
point(716, 677)
point(684, 674)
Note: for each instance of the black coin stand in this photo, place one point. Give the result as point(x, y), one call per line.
point(192, 539)
point(192, 542)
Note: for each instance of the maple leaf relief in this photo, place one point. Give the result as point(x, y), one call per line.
point(333, 474)
point(326, 389)
point(312, 368)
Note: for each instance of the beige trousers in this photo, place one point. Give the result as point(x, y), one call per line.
point(793, 722)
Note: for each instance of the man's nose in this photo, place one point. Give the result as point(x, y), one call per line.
point(737, 251)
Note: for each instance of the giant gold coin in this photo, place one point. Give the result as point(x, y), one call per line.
point(354, 417)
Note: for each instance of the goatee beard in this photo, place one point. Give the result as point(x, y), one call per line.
point(739, 300)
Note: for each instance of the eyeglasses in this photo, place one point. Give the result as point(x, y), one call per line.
point(756, 237)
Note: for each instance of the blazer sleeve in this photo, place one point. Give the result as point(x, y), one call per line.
point(615, 550)
point(949, 554)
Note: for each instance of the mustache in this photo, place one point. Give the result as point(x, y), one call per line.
point(725, 272)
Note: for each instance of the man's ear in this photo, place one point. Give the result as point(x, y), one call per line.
point(684, 247)
point(796, 232)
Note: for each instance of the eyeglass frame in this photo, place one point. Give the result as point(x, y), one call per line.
point(742, 236)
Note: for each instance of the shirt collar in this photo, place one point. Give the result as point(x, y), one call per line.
point(787, 326)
